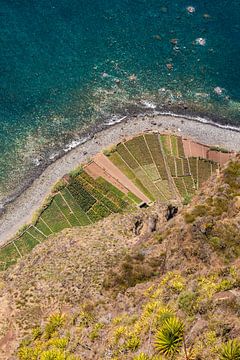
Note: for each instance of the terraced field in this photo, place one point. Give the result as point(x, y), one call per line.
point(157, 164)
point(81, 202)
point(143, 169)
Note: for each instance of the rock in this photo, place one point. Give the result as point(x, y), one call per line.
point(171, 212)
point(196, 330)
point(191, 9)
point(229, 295)
point(152, 223)
point(174, 41)
point(169, 66)
point(132, 77)
point(218, 90)
point(138, 225)
point(200, 41)
point(157, 37)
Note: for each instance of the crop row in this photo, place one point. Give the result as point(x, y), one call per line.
point(139, 150)
point(171, 164)
point(193, 162)
point(189, 183)
point(164, 187)
point(84, 199)
point(204, 171)
point(124, 153)
point(166, 144)
point(174, 145)
point(180, 147)
point(156, 151)
point(180, 186)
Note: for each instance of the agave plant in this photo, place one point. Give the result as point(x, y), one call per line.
point(169, 339)
point(230, 350)
point(141, 356)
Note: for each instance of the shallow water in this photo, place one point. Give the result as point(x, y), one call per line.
point(65, 65)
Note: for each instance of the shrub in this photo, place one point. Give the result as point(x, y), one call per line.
point(216, 242)
point(187, 302)
point(132, 342)
point(169, 339)
point(54, 322)
point(141, 356)
point(36, 333)
point(26, 353)
point(94, 334)
point(189, 217)
point(54, 354)
point(230, 350)
point(187, 199)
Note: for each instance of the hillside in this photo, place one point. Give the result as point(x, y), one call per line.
point(108, 290)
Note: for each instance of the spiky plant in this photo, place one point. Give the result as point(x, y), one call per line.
point(169, 338)
point(230, 350)
point(141, 356)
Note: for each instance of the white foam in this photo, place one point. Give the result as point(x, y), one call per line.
point(74, 143)
point(53, 156)
point(114, 120)
point(36, 161)
point(148, 104)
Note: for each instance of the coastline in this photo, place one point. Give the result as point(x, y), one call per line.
point(20, 211)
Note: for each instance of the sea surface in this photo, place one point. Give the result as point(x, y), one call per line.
point(66, 67)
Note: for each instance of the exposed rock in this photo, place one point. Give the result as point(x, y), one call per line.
point(171, 212)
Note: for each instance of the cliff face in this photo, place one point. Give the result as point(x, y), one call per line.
point(102, 292)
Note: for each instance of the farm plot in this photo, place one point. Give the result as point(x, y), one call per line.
point(139, 172)
point(139, 150)
point(180, 147)
point(117, 160)
point(204, 171)
point(155, 148)
point(26, 243)
point(164, 187)
point(193, 162)
point(8, 256)
point(180, 185)
point(172, 165)
point(166, 144)
point(174, 145)
point(179, 167)
point(189, 184)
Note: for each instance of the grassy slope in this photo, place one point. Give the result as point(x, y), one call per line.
point(113, 286)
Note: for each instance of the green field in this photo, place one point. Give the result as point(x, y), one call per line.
point(82, 202)
point(154, 163)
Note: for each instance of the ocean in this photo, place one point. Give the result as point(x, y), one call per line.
point(69, 67)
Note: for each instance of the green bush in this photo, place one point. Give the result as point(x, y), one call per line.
point(169, 338)
point(54, 323)
point(230, 350)
point(187, 302)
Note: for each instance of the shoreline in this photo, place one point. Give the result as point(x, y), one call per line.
point(199, 129)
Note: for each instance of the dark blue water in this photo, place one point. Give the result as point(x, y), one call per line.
point(67, 64)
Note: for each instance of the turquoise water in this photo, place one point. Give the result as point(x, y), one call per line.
point(65, 65)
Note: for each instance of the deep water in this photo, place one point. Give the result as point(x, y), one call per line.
point(67, 64)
